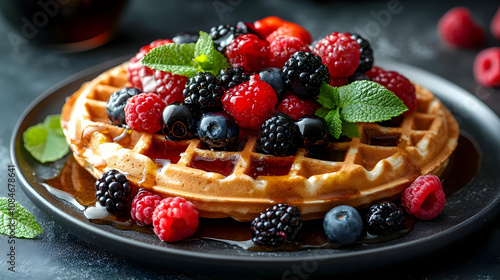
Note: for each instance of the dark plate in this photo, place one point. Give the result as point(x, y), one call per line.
point(465, 211)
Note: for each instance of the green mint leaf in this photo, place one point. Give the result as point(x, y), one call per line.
point(367, 101)
point(322, 112)
point(45, 141)
point(328, 96)
point(215, 61)
point(174, 58)
point(350, 129)
point(16, 221)
point(334, 123)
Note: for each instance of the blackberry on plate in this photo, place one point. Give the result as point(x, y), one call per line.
point(313, 131)
point(366, 57)
point(218, 130)
point(113, 191)
point(223, 34)
point(279, 224)
point(304, 72)
point(203, 92)
point(274, 77)
point(231, 77)
point(185, 38)
point(115, 107)
point(178, 122)
point(279, 135)
point(384, 218)
point(343, 224)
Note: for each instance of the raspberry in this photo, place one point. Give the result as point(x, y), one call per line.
point(340, 53)
point(291, 29)
point(250, 103)
point(339, 81)
point(169, 86)
point(268, 25)
point(115, 107)
point(495, 25)
point(457, 27)
point(138, 74)
point(283, 47)
point(174, 219)
point(487, 67)
point(296, 107)
point(425, 198)
point(248, 51)
point(396, 83)
point(143, 205)
point(143, 112)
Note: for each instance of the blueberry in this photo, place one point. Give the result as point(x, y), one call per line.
point(343, 224)
point(218, 130)
point(274, 77)
point(178, 122)
point(185, 38)
point(313, 131)
point(115, 107)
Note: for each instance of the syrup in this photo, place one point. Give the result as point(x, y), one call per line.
point(224, 167)
point(76, 186)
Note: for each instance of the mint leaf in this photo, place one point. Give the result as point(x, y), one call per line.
point(328, 96)
point(334, 123)
point(350, 129)
point(16, 221)
point(45, 141)
point(174, 58)
point(367, 101)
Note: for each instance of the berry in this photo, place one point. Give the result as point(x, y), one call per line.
point(175, 219)
point(357, 76)
point(115, 107)
point(185, 38)
point(282, 47)
point(203, 92)
point(304, 72)
point(343, 224)
point(313, 132)
point(384, 218)
point(487, 67)
point(268, 25)
point(424, 198)
point(340, 53)
point(396, 83)
point(290, 29)
point(218, 130)
point(297, 108)
point(178, 122)
point(230, 77)
point(277, 225)
point(143, 112)
point(138, 74)
point(250, 103)
point(143, 205)
point(457, 28)
point(366, 57)
point(169, 86)
point(279, 135)
point(248, 51)
point(495, 25)
point(224, 34)
point(274, 77)
point(339, 81)
point(113, 191)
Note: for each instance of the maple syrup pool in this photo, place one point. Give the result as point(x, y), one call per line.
point(75, 185)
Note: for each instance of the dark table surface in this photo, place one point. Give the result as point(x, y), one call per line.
point(410, 37)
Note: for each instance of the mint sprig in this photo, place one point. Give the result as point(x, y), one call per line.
point(16, 221)
point(187, 59)
point(45, 141)
point(359, 101)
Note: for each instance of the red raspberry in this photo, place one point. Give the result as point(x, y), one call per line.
point(143, 205)
point(169, 86)
point(283, 47)
point(495, 25)
point(136, 71)
point(143, 112)
point(339, 81)
point(250, 103)
point(425, 198)
point(396, 83)
point(175, 219)
point(340, 53)
point(248, 51)
point(291, 29)
point(296, 107)
point(458, 28)
point(487, 67)
point(268, 25)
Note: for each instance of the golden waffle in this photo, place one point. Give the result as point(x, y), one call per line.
point(242, 183)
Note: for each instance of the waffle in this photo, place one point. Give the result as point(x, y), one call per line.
point(242, 183)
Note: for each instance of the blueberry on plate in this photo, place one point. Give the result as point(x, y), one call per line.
point(178, 122)
point(343, 224)
point(274, 78)
point(218, 130)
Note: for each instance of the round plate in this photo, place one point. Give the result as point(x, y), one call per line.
point(465, 211)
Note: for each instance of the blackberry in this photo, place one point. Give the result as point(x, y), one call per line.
point(304, 72)
point(279, 135)
point(223, 34)
point(203, 92)
point(358, 76)
point(115, 107)
point(113, 191)
point(279, 224)
point(230, 77)
point(185, 38)
point(384, 218)
point(366, 57)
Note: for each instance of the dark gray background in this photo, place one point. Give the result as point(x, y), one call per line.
point(409, 37)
